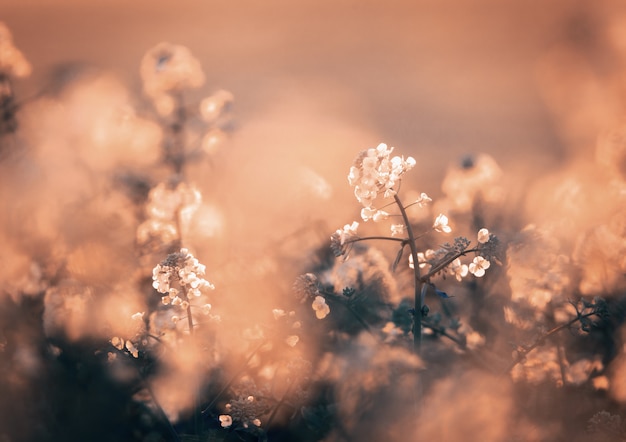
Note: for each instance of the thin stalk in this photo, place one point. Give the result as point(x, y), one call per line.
point(232, 379)
point(358, 317)
point(522, 354)
point(417, 317)
point(280, 403)
point(443, 264)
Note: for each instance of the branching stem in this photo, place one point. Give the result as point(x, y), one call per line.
point(417, 317)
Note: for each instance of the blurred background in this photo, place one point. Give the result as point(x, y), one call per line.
point(534, 90)
point(436, 78)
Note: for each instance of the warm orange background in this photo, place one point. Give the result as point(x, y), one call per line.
point(439, 77)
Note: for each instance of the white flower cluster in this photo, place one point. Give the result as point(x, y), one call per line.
point(167, 69)
point(340, 240)
point(375, 171)
point(456, 268)
point(184, 270)
point(165, 204)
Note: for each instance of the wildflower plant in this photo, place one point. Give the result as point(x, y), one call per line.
point(376, 176)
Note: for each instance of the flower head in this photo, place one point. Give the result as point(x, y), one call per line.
point(292, 340)
point(168, 68)
point(458, 270)
point(478, 266)
point(183, 269)
point(375, 171)
point(225, 420)
point(321, 308)
point(423, 200)
point(483, 236)
point(376, 215)
point(397, 229)
point(340, 240)
point(441, 224)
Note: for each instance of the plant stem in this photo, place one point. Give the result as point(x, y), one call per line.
point(524, 352)
point(417, 317)
point(280, 403)
point(446, 262)
point(233, 378)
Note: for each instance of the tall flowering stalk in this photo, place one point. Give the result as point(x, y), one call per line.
point(374, 173)
point(375, 176)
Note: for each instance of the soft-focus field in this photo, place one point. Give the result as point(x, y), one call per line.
point(174, 178)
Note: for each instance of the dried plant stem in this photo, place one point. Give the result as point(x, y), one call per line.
point(232, 379)
point(523, 352)
point(280, 403)
point(447, 261)
point(417, 317)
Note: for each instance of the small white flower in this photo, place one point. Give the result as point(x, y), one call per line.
point(423, 200)
point(292, 340)
point(457, 269)
point(483, 236)
point(478, 266)
point(397, 229)
point(380, 215)
point(132, 349)
point(278, 313)
point(441, 224)
point(348, 232)
point(117, 342)
point(137, 316)
point(321, 308)
point(225, 420)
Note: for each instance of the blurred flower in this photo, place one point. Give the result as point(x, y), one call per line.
point(132, 349)
point(166, 69)
point(423, 200)
point(342, 237)
point(457, 269)
point(441, 224)
point(165, 201)
point(538, 281)
point(478, 266)
point(476, 178)
point(213, 106)
point(117, 342)
point(422, 259)
point(12, 61)
point(225, 420)
point(292, 340)
point(397, 229)
point(368, 213)
point(483, 236)
point(184, 269)
point(278, 313)
point(212, 139)
point(391, 331)
point(306, 287)
point(137, 316)
point(474, 340)
point(321, 308)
